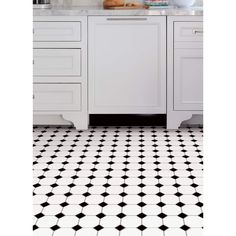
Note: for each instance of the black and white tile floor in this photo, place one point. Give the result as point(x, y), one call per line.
point(117, 181)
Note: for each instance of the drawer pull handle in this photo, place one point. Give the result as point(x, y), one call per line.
point(198, 31)
point(128, 19)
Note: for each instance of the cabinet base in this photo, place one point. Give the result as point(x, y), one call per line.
point(78, 119)
point(175, 118)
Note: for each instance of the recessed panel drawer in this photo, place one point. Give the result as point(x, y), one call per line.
point(57, 62)
point(57, 97)
point(188, 31)
point(57, 31)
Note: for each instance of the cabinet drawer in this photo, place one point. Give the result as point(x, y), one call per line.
point(57, 62)
point(57, 31)
point(54, 97)
point(188, 31)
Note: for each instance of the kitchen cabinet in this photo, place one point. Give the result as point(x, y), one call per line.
point(184, 69)
point(60, 70)
point(117, 65)
point(127, 64)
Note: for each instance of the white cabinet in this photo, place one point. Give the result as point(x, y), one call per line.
point(185, 69)
point(127, 64)
point(60, 70)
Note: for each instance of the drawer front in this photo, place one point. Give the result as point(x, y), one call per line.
point(57, 62)
point(57, 31)
point(55, 97)
point(188, 31)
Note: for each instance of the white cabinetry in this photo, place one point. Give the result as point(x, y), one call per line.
point(184, 69)
point(188, 93)
point(127, 64)
point(60, 69)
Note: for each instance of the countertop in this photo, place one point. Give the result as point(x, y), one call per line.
point(99, 11)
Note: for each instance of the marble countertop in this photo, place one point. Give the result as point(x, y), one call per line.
point(99, 11)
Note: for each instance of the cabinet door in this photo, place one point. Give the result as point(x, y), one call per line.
point(127, 64)
point(188, 79)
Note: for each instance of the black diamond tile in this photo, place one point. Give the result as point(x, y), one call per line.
point(162, 215)
point(121, 215)
point(54, 185)
point(40, 215)
point(142, 227)
point(98, 227)
point(160, 194)
point(122, 204)
point(180, 204)
point(71, 185)
point(201, 215)
point(159, 185)
point(55, 227)
point(142, 204)
point(123, 194)
point(83, 204)
point(120, 227)
point(100, 215)
point(141, 215)
point(86, 194)
point(60, 215)
point(200, 204)
point(36, 185)
point(68, 194)
point(49, 194)
point(178, 194)
point(176, 185)
point(163, 227)
point(103, 204)
point(182, 215)
point(185, 227)
point(161, 204)
point(80, 215)
point(142, 194)
point(45, 204)
point(76, 227)
point(64, 204)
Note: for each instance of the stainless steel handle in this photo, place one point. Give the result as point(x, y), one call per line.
point(126, 18)
point(198, 31)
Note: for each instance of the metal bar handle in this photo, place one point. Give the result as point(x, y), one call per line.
point(198, 31)
point(126, 18)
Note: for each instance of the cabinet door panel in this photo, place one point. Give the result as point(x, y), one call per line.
point(188, 79)
point(127, 65)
